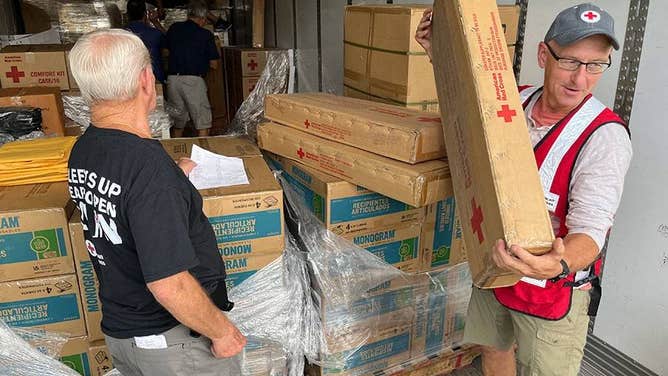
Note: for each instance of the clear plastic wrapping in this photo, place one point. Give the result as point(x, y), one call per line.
point(275, 79)
point(78, 18)
point(77, 110)
point(19, 358)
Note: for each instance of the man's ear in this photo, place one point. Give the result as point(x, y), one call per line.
point(542, 55)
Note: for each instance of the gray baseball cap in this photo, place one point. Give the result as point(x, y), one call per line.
point(579, 22)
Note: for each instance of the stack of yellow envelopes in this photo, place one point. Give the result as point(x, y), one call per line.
point(41, 160)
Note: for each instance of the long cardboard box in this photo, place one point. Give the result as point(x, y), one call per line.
point(34, 65)
point(382, 60)
point(494, 171)
point(47, 99)
point(34, 239)
point(441, 238)
point(49, 303)
point(88, 282)
point(399, 133)
point(416, 185)
point(247, 219)
point(343, 207)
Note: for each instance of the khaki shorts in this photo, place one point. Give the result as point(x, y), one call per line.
point(184, 356)
point(544, 347)
point(188, 95)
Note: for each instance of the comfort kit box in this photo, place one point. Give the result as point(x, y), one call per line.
point(34, 65)
point(49, 303)
point(247, 219)
point(47, 99)
point(416, 185)
point(345, 208)
point(34, 239)
point(88, 283)
point(441, 238)
point(496, 182)
point(399, 133)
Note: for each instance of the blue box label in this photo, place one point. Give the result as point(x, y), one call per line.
point(377, 351)
point(396, 252)
point(370, 205)
point(443, 230)
point(313, 201)
point(246, 226)
point(40, 311)
point(31, 246)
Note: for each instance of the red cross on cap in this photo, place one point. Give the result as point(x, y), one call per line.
point(590, 16)
point(15, 74)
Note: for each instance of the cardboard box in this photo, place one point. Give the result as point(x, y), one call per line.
point(510, 19)
point(450, 360)
point(45, 98)
point(49, 303)
point(441, 238)
point(88, 282)
point(34, 65)
point(383, 61)
point(247, 219)
point(398, 245)
point(248, 84)
point(346, 209)
point(74, 354)
point(34, 239)
point(402, 134)
point(99, 358)
point(494, 170)
point(416, 185)
point(229, 146)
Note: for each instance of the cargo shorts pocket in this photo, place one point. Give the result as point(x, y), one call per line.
point(555, 352)
point(175, 360)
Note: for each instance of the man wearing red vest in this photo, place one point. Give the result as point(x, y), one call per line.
point(583, 151)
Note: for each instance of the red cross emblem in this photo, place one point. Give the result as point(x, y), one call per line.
point(15, 74)
point(476, 221)
point(300, 153)
point(590, 16)
point(252, 64)
point(506, 113)
point(307, 123)
point(429, 119)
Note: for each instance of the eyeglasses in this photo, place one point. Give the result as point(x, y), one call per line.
point(573, 65)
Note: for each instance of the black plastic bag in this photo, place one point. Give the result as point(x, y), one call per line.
point(19, 121)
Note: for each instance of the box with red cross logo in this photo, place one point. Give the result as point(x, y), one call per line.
point(34, 65)
point(495, 178)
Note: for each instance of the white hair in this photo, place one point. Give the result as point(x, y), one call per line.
point(197, 8)
point(106, 65)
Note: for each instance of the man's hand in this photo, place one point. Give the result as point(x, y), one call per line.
point(187, 165)
point(520, 261)
point(228, 345)
point(423, 32)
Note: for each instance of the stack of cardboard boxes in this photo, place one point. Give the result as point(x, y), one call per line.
point(247, 219)
point(41, 288)
point(383, 62)
point(374, 174)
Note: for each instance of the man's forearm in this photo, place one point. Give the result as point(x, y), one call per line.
point(581, 251)
point(183, 296)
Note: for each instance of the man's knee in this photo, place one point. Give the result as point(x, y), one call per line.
point(498, 362)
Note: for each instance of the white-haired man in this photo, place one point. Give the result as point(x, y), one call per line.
point(162, 281)
point(583, 151)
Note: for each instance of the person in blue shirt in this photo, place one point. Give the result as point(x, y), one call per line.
point(192, 52)
point(153, 37)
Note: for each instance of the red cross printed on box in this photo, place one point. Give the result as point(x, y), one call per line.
point(15, 74)
point(429, 119)
point(590, 16)
point(476, 221)
point(300, 153)
point(307, 123)
point(252, 64)
point(506, 113)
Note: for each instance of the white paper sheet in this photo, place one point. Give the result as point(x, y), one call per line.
point(215, 170)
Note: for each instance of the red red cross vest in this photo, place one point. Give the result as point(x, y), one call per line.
point(556, 155)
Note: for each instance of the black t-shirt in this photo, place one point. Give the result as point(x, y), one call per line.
point(190, 49)
point(143, 222)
